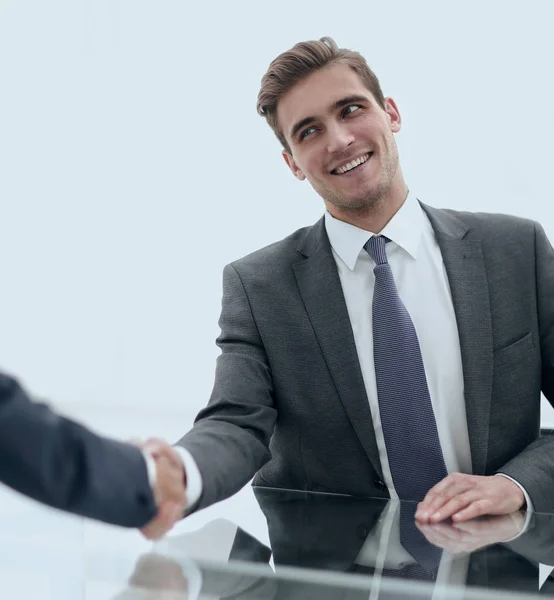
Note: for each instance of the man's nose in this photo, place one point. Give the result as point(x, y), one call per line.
point(338, 138)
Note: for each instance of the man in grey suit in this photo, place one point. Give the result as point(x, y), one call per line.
point(58, 462)
point(391, 349)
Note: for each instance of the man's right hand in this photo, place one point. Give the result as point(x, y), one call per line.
point(170, 492)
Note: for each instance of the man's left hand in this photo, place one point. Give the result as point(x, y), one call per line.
point(463, 497)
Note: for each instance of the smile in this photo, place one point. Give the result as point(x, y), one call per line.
point(352, 164)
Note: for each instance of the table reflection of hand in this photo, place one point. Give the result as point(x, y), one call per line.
point(467, 536)
point(156, 577)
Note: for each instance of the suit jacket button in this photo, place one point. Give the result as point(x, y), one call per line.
point(380, 484)
point(362, 532)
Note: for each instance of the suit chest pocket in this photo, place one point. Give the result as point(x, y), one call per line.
point(515, 353)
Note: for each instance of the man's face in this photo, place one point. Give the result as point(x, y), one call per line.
point(332, 122)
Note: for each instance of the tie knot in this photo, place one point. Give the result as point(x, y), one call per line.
point(375, 247)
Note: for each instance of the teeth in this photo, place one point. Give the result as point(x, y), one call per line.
point(352, 164)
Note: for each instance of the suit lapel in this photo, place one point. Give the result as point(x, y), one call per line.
point(321, 291)
point(465, 268)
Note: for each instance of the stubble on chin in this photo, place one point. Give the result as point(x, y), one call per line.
point(366, 206)
point(360, 207)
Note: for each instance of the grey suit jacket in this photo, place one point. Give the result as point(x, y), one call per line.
point(289, 402)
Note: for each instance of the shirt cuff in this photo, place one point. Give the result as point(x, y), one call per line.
point(151, 468)
point(530, 508)
point(194, 479)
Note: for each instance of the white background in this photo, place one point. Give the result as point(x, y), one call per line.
point(133, 165)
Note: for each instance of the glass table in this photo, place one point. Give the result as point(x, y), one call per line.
point(281, 544)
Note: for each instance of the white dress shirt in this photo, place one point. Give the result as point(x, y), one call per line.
point(150, 468)
point(416, 263)
point(418, 269)
point(194, 479)
point(191, 469)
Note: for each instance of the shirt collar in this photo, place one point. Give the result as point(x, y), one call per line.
point(405, 229)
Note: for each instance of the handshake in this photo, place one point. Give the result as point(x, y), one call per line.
point(169, 490)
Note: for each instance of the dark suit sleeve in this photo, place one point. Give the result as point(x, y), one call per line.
point(537, 543)
point(64, 465)
point(534, 467)
point(230, 437)
point(545, 302)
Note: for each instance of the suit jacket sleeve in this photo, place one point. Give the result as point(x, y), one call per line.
point(534, 467)
point(230, 437)
point(537, 543)
point(64, 465)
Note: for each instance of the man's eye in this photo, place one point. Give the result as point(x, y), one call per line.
point(351, 109)
point(306, 132)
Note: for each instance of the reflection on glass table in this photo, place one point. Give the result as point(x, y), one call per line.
point(331, 546)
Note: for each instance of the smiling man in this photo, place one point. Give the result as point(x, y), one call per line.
point(391, 349)
point(357, 166)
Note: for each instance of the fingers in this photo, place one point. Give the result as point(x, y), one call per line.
point(169, 492)
point(496, 495)
point(155, 444)
point(468, 535)
point(158, 447)
point(475, 509)
point(170, 481)
point(493, 529)
point(431, 509)
point(463, 497)
point(441, 532)
point(446, 537)
point(473, 527)
point(460, 504)
point(445, 484)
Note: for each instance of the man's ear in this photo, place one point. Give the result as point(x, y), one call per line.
point(296, 170)
point(394, 115)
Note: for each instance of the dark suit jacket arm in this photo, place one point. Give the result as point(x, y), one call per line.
point(537, 543)
point(534, 467)
point(545, 301)
point(230, 438)
point(64, 465)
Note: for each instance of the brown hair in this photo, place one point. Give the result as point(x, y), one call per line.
point(301, 60)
